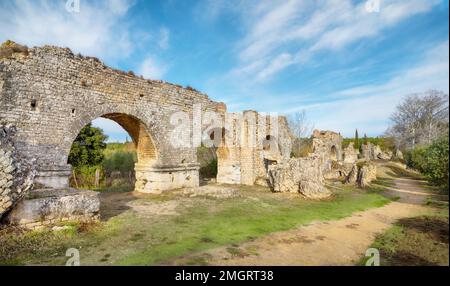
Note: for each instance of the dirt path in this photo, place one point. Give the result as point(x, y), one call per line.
point(340, 242)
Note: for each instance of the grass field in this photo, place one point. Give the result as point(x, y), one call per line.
point(152, 229)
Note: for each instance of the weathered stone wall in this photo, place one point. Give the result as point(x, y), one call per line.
point(327, 145)
point(49, 94)
point(350, 154)
point(251, 143)
point(16, 174)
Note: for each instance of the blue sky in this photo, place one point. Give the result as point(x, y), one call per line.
point(346, 65)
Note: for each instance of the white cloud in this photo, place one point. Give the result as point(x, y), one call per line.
point(369, 107)
point(98, 29)
point(164, 36)
point(152, 68)
point(290, 32)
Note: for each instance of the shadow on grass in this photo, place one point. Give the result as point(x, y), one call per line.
point(418, 241)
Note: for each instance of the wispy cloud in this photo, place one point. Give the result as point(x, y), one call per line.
point(291, 32)
point(368, 107)
point(153, 69)
point(164, 36)
point(98, 29)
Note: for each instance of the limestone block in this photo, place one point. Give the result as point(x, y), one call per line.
point(299, 175)
point(53, 205)
point(366, 173)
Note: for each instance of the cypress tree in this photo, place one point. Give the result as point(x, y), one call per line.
point(356, 145)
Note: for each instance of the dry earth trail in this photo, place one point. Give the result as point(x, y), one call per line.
point(339, 242)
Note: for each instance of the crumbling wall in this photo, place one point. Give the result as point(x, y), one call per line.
point(252, 142)
point(350, 154)
point(362, 174)
point(16, 172)
point(299, 175)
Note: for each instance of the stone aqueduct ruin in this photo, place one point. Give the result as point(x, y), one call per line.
point(48, 94)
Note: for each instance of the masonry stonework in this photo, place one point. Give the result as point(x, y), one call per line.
point(252, 142)
point(49, 94)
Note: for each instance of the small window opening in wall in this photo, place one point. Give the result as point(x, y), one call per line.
point(73, 111)
point(33, 104)
point(183, 161)
point(141, 95)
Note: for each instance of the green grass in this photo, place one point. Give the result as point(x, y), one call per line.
point(133, 239)
point(418, 241)
point(236, 221)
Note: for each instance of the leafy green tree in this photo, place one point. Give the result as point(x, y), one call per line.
point(87, 149)
point(366, 140)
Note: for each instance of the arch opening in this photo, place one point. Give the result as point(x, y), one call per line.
point(112, 163)
point(333, 153)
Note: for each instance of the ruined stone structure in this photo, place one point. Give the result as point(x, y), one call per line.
point(49, 94)
point(350, 154)
point(328, 145)
point(253, 142)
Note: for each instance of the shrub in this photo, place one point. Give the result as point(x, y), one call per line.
point(119, 161)
point(209, 170)
point(432, 161)
point(85, 176)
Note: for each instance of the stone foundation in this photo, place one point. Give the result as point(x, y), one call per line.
point(54, 176)
point(47, 207)
point(150, 179)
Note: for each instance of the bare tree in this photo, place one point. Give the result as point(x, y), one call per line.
point(420, 119)
point(301, 127)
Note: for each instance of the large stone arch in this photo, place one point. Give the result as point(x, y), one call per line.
point(133, 121)
point(49, 94)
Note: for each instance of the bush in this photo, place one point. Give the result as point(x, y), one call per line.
point(120, 161)
point(209, 170)
point(432, 161)
point(85, 176)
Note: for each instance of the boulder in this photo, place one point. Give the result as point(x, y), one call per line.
point(398, 155)
point(352, 175)
point(299, 175)
point(385, 155)
point(366, 173)
point(47, 207)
